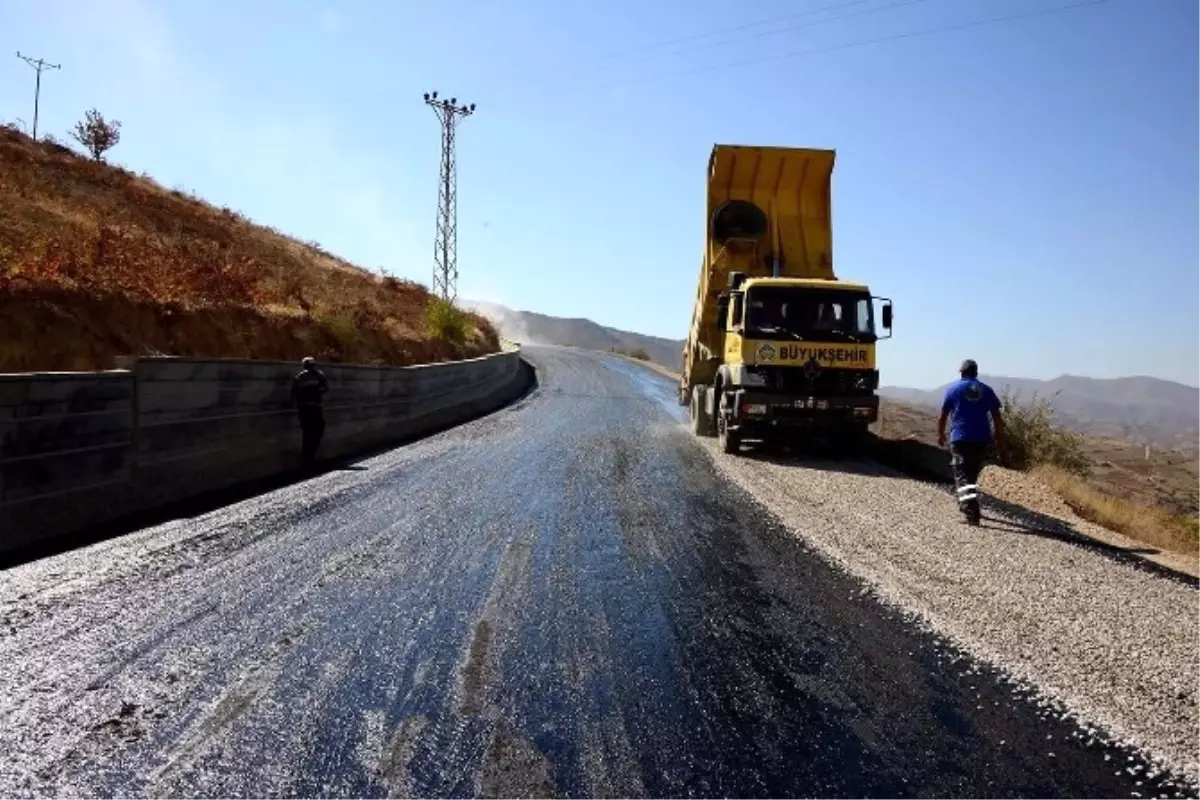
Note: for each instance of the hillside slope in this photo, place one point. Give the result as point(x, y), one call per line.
point(527, 326)
point(96, 262)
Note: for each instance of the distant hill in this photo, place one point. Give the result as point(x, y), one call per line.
point(1138, 408)
point(526, 326)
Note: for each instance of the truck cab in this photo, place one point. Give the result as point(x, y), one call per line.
point(798, 354)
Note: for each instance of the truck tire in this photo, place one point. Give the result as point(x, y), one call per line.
point(852, 442)
point(730, 441)
point(774, 445)
point(701, 420)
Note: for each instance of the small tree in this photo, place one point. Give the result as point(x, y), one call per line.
point(97, 134)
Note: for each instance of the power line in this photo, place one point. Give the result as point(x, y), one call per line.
point(649, 48)
point(896, 37)
point(773, 31)
point(743, 26)
point(445, 243)
point(642, 79)
point(38, 65)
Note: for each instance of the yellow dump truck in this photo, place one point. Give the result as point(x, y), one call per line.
point(778, 346)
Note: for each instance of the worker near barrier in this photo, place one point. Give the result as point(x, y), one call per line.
point(308, 392)
point(967, 404)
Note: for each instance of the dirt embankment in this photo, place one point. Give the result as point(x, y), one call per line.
point(97, 262)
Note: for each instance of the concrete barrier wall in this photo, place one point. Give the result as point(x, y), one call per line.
point(81, 449)
point(63, 433)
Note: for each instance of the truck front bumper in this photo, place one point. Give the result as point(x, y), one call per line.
point(757, 409)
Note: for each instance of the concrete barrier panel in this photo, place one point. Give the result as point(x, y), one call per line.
point(85, 448)
point(66, 442)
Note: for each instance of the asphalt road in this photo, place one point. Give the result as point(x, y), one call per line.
point(563, 598)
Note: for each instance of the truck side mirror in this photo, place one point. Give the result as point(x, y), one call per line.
point(887, 316)
point(722, 309)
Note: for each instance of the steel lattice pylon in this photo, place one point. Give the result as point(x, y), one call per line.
point(445, 244)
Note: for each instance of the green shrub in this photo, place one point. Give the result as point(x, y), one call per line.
point(1033, 438)
point(445, 322)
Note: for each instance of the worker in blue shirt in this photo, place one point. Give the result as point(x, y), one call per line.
point(968, 403)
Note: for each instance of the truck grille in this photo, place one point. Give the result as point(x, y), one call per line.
point(828, 382)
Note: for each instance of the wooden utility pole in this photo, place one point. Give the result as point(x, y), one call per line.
point(39, 65)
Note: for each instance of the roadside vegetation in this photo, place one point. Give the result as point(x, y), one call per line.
point(633, 352)
point(98, 262)
point(445, 322)
point(1037, 444)
point(1033, 438)
point(1155, 526)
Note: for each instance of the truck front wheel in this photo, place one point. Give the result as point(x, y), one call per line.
point(730, 441)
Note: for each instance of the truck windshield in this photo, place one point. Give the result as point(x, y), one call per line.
point(793, 313)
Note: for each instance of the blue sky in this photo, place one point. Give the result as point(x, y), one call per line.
point(1025, 191)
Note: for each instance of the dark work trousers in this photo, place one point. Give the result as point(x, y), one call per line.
point(967, 459)
point(312, 426)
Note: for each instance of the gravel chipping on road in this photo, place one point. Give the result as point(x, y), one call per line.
point(1109, 644)
point(572, 597)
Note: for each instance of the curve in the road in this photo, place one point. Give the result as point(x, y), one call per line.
point(563, 598)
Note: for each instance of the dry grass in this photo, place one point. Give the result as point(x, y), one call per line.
point(1151, 525)
point(96, 262)
point(633, 352)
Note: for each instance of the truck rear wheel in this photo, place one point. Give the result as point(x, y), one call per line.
point(701, 420)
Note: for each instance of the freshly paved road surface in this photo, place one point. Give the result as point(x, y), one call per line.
point(564, 598)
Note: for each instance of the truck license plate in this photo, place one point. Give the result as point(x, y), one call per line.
point(804, 403)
